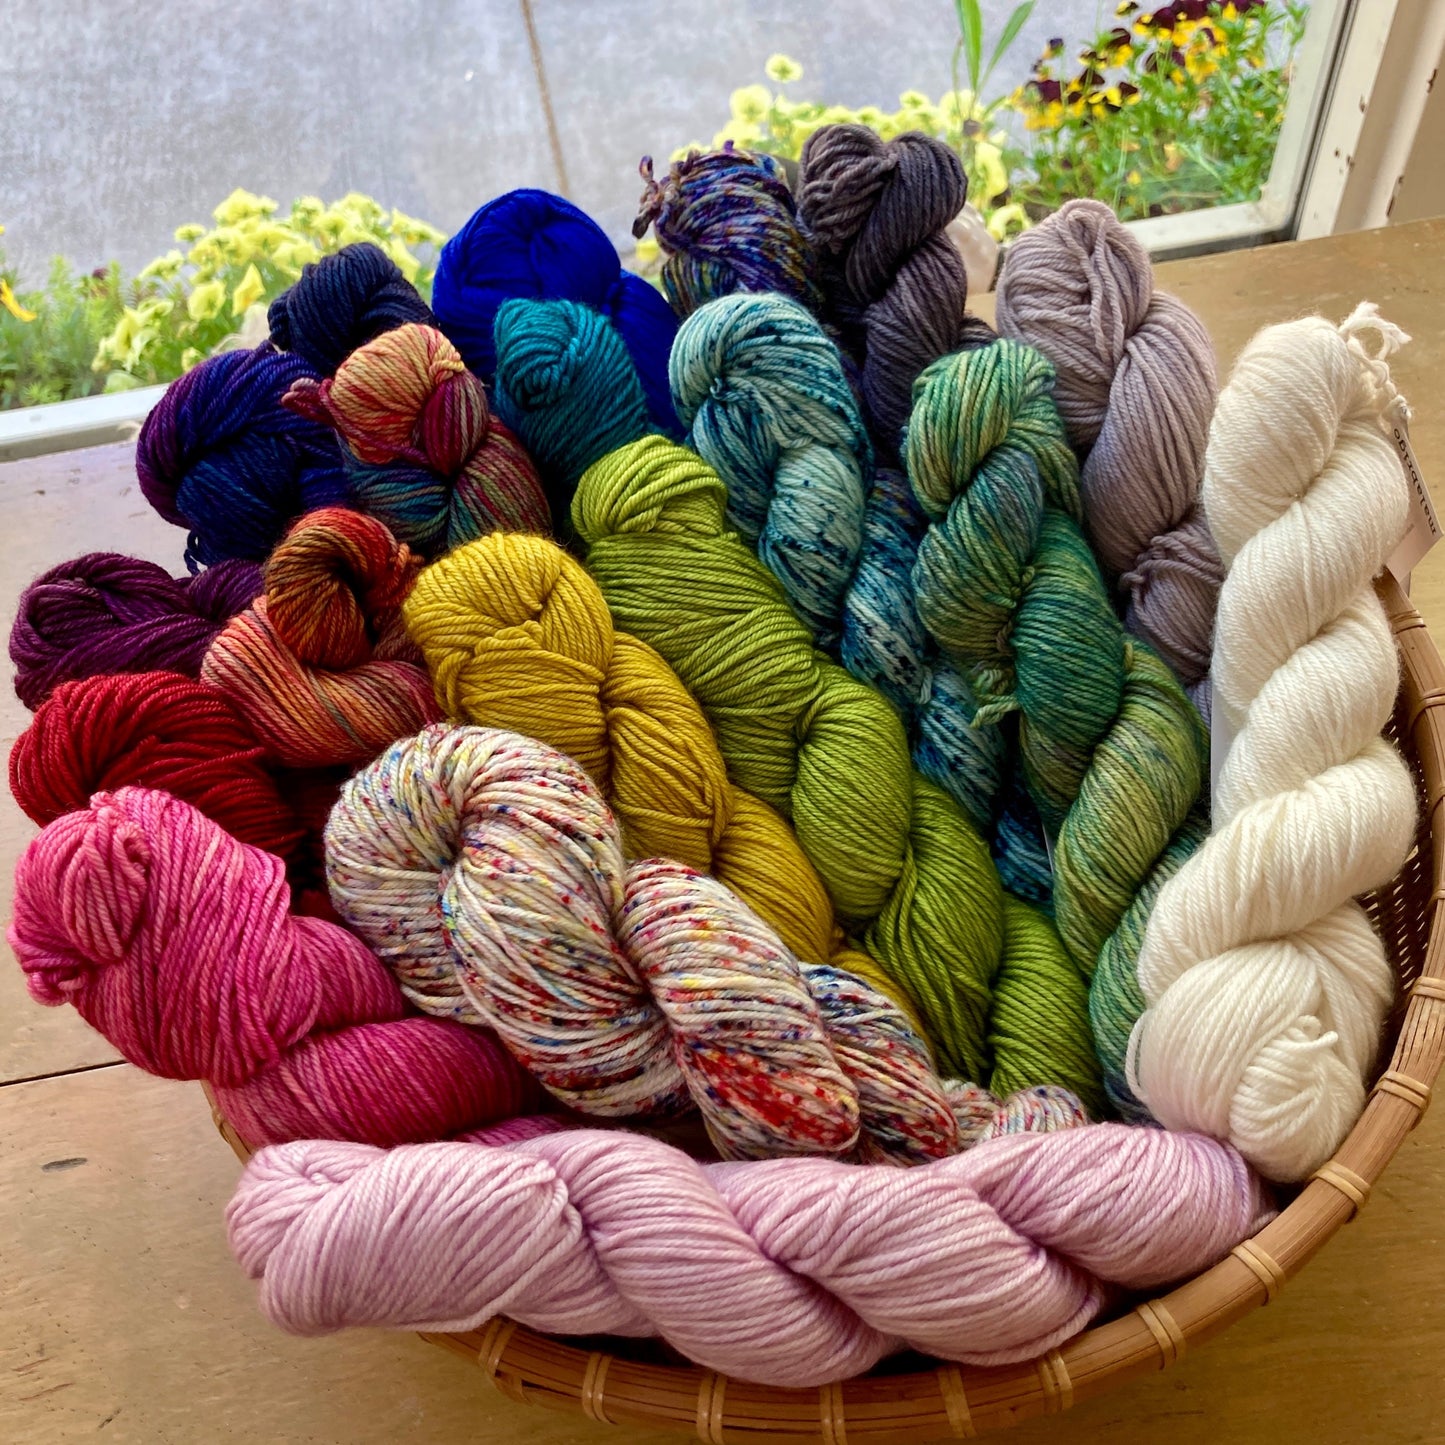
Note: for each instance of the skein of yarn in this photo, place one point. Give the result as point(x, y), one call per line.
point(1112, 750)
point(219, 454)
point(530, 243)
point(427, 456)
point(761, 389)
point(486, 869)
point(1267, 985)
point(174, 940)
point(992, 1256)
point(898, 856)
point(341, 302)
point(1079, 287)
point(152, 730)
point(727, 221)
point(895, 283)
point(106, 613)
point(320, 665)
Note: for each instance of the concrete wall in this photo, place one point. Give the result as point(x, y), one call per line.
point(121, 119)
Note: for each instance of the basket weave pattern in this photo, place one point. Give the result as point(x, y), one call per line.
point(959, 1402)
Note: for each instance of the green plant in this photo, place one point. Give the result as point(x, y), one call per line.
point(763, 119)
point(48, 335)
point(189, 305)
point(1175, 109)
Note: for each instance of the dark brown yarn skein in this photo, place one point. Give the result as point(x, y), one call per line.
point(896, 285)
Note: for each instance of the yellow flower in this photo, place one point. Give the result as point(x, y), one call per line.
point(191, 231)
point(163, 267)
point(206, 300)
point(913, 100)
point(1006, 219)
point(305, 209)
point(781, 69)
point(958, 106)
point(11, 303)
point(1134, 178)
point(648, 249)
point(1230, 12)
point(988, 164)
point(250, 289)
point(871, 116)
point(750, 104)
point(837, 115)
point(693, 147)
point(740, 133)
point(293, 255)
point(1173, 157)
point(240, 204)
point(415, 232)
point(191, 357)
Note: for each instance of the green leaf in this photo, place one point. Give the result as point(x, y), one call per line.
point(1007, 36)
point(970, 29)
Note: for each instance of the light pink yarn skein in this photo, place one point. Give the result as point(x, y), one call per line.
point(789, 1272)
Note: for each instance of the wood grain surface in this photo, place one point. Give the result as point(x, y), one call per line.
point(122, 1317)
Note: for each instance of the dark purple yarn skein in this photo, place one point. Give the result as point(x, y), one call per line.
point(895, 283)
point(105, 613)
point(220, 454)
point(341, 302)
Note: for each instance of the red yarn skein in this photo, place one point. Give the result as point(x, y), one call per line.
point(173, 939)
point(321, 665)
point(153, 730)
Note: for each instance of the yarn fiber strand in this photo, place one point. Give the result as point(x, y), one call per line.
point(1267, 985)
point(791, 1272)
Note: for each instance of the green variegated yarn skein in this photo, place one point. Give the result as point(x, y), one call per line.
point(899, 857)
point(1112, 749)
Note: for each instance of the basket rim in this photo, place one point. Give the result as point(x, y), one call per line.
point(961, 1401)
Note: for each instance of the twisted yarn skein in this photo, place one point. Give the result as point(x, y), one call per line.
point(429, 459)
point(727, 222)
point(220, 454)
point(896, 286)
point(530, 243)
point(897, 855)
point(1266, 983)
point(1135, 385)
point(762, 390)
point(988, 1257)
point(106, 613)
point(174, 940)
point(486, 869)
point(321, 665)
point(1112, 749)
point(155, 730)
point(342, 301)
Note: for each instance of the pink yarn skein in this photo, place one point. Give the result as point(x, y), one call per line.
point(790, 1272)
point(173, 939)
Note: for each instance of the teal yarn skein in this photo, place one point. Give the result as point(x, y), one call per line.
point(1112, 750)
point(762, 389)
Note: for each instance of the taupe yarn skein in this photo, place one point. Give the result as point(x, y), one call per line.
point(895, 283)
point(1136, 387)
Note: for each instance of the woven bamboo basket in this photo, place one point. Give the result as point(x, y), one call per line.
point(913, 1399)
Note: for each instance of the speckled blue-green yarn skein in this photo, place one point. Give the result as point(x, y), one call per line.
point(1112, 749)
point(762, 390)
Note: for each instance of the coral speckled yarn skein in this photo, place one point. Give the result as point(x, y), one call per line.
point(342, 301)
point(1135, 385)
point(104, 613)
point(174, 940)
point(487, 870)
point(219, 454)
point(899, 857)
point(426, 455)
point(321, 664)
point(819, 1268)
point(1267, 984)
point(1112, 749)
point(155, 730)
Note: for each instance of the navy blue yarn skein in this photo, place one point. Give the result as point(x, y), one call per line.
point(220, 454)
point(532, 244)
point(341, 302)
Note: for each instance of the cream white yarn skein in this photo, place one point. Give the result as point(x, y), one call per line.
point(1266, 985)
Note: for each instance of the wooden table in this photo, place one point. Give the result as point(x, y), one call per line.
point(123, 1318)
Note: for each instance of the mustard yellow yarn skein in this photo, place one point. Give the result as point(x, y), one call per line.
point(518, 636)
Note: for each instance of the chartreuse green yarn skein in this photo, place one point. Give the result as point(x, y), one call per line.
point(900, 859)
point(1112, 749)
